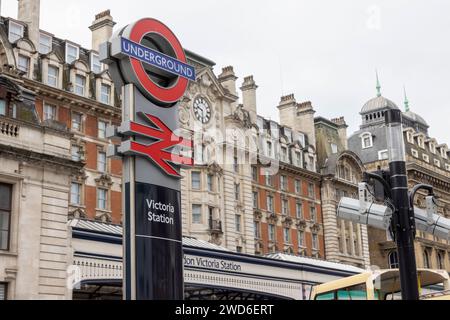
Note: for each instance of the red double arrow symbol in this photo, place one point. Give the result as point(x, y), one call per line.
point(158, 151)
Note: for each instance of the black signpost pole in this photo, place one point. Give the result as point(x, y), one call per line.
point(404, 221)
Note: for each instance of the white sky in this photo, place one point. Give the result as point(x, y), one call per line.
point(324, 51)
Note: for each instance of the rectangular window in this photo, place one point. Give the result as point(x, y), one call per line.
point(105, 95)
point(238, 220)
point(255, 174)
point(437, 163)
point(285, 207)
point(298, 187)
point(24, 64)
point(298, 159)
point(269, 180)
point(313, 212)
point(301, 239)
point(80, 85)
point(284, 157)
point(195, 180)
point(2, 107)
point(49, 112)
point(5, 215)
point(299, 210)
point(45, 43)
point(334, 148)
point(415, 153)
point(237, 192)
point(101, 162)
point(270, 204)
point(102, 199)
point(77, 120)
point(96, 65)
point(75, 194)
point(196, 214)
point(15, 31)
point(287, 235)
point(284, 183)
point(102, 129)
point(239, 249)
point(3, 291)
point(257, 227)
point(53, 76)
point(72, 53)
point(269, 149)
point(272, 233)
point(311, 192)
point(76, 156)
point(315, 241)
point(210, 183)
point(426, 158)
point(447, 167)
point(255, 200)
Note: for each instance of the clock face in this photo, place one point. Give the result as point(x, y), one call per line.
point(202, 110)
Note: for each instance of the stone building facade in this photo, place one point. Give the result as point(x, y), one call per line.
point(427, 162)
point(341, 171)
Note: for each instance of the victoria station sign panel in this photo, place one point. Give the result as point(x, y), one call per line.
point(150, 70)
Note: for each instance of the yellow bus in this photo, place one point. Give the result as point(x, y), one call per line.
point(383, 285)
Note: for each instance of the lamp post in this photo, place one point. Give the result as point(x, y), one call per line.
point(403, 218)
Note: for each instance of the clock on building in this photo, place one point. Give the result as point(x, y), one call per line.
point(202, 110)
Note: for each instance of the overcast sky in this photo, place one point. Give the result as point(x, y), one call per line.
point(324, 51)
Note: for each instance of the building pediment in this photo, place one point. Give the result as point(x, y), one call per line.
point(26, 45)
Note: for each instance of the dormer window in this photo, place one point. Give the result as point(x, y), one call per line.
point(45, 43)
point(421, 142)
point(410, 137)
point(367, 140)
point(432, 148)
point(16, 31)
point(96, 65)
point(72, 53)
point(447, 167)
point(80, 85)
point(53, 76)
point(444, 153)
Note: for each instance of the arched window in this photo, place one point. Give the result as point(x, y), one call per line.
point(393, 260)
point(426, 259)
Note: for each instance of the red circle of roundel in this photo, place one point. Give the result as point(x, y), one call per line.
point(165, 95)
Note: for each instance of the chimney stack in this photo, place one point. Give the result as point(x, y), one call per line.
point(29, 12)
point(228, 80)
point(342, 130)
point(102, 29)
point(248, 89)
point(288, 110)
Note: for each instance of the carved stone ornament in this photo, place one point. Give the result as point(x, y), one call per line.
point(104, 180)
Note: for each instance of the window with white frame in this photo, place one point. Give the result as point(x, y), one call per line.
point(210, 181)
point(105, 94)
point(410, 137)
point(2, 107)
point(444, 153)
point(301, 239)
point(80, 85)
point(102, 199)
point(102, 129)
point(284, 183)
point(77, 121)
point(75, 194)
point(257, 227)
point(447, 167)
point(269, 180)
point(255, 200)
point(287, 235)
point(426, 158)
point(53, 76)
point(24, 64)
point(437, 163)
point(49, 112)
point(72, 53)
point(270, 204)
point(45, 43)
point(269, 149)
point(272, 233)
point(315, 241)
point(284, 157)
point(16, 31)
point(237, 192)
point(298, 187)
point(383, 155)
point(96, 65)
point(75, 153)
point(421, 142)
point(311, 190)
point(313, 212)
point(433, 148)
point(196, 214)
point(299, 210)
point(255, 173)
point(196, 180)
point(298, 159)
point(238, 222)
point(367, 140)
point(101, 161)
point(285, 207)
point(415, 153)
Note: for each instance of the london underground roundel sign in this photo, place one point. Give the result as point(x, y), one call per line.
point(152, 58)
